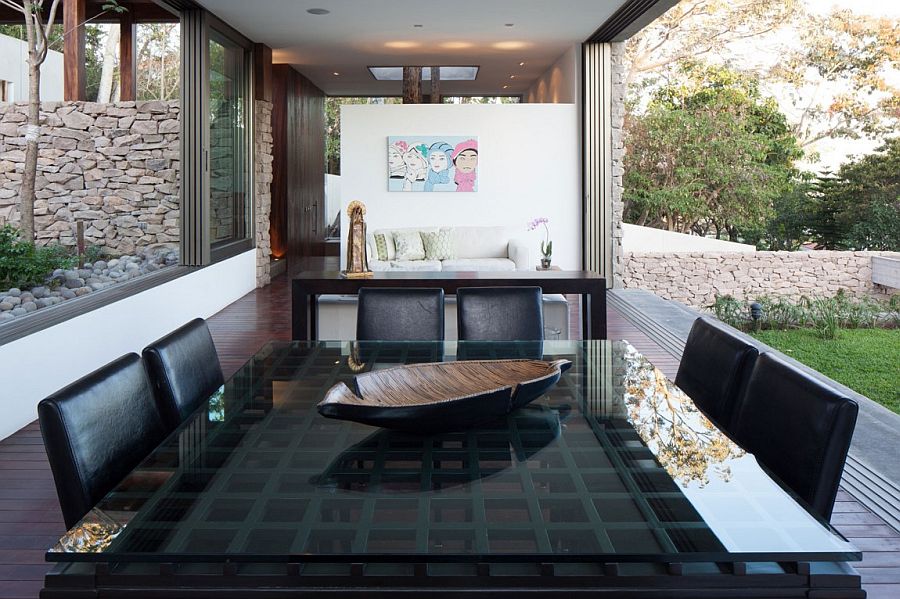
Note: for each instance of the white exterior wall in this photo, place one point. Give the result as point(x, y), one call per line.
point(14, 69)
point(35, 366)
point(529, 165)
point(637, 239)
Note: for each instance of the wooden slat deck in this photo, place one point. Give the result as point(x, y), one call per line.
point(30, 519)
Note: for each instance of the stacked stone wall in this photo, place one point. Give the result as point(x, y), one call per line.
point(113, 166)
point(696, 279)
point(263, 182)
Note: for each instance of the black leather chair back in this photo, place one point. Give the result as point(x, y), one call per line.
point(500, 314)
point(185, 370)
point(797, 427)
point(400, 315)
point(714, 369)
point(97, 430)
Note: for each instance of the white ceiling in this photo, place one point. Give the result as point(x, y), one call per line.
point(360, 33)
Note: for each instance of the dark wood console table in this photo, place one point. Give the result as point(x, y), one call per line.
point(307, 286)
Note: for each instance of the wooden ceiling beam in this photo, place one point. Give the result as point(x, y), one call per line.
point(142, 12)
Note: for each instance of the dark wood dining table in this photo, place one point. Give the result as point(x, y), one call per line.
point(307, 286)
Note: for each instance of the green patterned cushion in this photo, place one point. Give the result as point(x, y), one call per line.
point(439, 245)
point(381, 247)
point(409, 245)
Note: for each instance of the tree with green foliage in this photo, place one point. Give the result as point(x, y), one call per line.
point(333, 126)
point(38, 37)
point(709, 155)
point(859, 208)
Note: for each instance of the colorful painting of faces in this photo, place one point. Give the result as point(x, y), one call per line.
point(447, 163)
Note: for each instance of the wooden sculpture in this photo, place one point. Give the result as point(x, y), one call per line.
point(357, 261)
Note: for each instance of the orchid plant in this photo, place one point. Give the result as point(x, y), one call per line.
point(546, 244)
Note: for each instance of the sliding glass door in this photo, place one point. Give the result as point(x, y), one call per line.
point(229, 148)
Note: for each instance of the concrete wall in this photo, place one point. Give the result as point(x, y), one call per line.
point(696, 278)
point(114, 166)
point(529, 166)
point(14, 70)
point(37, 365)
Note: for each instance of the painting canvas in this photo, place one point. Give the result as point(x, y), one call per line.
point(433, 163)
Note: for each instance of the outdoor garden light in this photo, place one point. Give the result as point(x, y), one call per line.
point(756, 311)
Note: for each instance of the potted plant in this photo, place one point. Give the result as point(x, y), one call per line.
point(546, 244)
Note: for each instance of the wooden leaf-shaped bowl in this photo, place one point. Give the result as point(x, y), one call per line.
point(441, 396)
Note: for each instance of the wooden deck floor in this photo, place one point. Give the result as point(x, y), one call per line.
point(30, 519)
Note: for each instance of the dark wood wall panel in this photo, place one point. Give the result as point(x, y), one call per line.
point(278, 216)
point(298, 188)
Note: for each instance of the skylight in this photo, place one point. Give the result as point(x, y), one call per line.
point(457, 73)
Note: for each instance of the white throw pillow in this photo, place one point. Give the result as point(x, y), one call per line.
point(409, 245)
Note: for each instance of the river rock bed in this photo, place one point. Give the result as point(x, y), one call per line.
point(67, 284)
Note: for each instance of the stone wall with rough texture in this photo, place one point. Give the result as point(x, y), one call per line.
point(617, 124)
point(114, 166)
point(263, 182)
point(696, 278)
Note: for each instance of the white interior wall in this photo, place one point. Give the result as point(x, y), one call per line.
point(561, 83)
point(14, 68)
point(529, 166)
point(35, 366)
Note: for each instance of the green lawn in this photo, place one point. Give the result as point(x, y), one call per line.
point(866, 360)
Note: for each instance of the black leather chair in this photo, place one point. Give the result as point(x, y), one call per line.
point(400, 315)
point(797, 427)
point(97, 430)
point(714, 369)
point(500, 314)
point(185, 370)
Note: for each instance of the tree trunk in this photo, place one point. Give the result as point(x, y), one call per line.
point(107, 73)
point(32, 131)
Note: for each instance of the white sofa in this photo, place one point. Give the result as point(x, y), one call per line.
point(476, 249)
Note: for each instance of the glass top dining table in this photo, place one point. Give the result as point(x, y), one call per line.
point(612, 464)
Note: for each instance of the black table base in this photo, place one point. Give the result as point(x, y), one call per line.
point(307, 286)
point(634, 581)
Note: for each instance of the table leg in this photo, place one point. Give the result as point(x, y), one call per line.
point(585, 299)
point(314, 317)
point(598, 310)
point(299, 312)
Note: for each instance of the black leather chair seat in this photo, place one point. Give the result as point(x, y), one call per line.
point(97, 430)
point(400, 314)
point(500, 314)
point(714, 369)
point(797, 427)
point(185, 370)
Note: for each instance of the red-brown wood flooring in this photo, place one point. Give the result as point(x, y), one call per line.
point(30, 519)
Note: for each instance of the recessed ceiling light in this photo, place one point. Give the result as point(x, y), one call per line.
point(402, 44)
point(456, 45)
point(521, 64)
point(318, 11)
point(505, 87)
point(510, 45)
point(512, 76)
point(336, 74)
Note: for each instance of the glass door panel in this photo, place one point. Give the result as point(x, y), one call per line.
point(228, 159)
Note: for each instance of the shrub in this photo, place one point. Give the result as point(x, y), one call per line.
point(730, 310)
point(92, 253)
point(23, 264)
point(826, 317)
